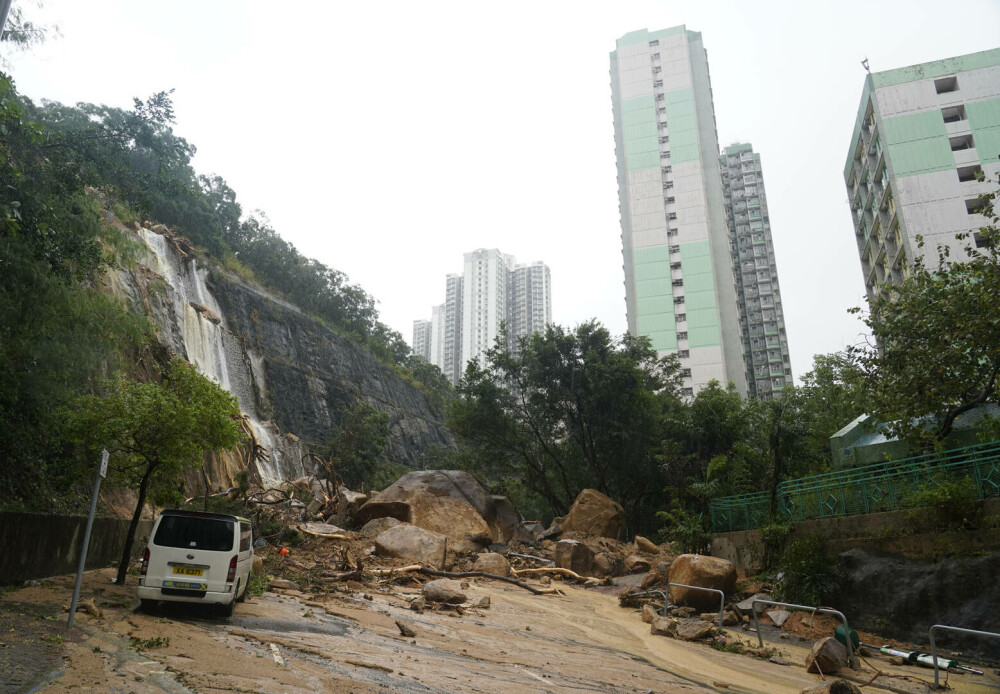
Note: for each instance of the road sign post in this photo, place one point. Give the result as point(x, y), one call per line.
point(102, 472)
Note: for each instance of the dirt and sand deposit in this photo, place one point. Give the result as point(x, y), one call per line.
point(348, 640)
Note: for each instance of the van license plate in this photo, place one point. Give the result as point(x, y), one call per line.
point(187, 571)
point(184, 585)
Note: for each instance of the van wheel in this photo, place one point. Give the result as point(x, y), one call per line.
point(227, 609)
point(242, 597)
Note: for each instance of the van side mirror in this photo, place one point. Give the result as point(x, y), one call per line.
point(260, 542)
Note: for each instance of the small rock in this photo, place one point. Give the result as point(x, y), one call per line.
point(377, 525)
point(282, 584)
point(636, 564)
point(646, 546)
point(693, 629)
point(897, 660)
point(648, 613)
point(527, 628)
point(484, 602)
point(418, 603)
point(405, 630)
point(709, 616)
point(683, 612)
point(827, 654)
point(492, 563)
point(729, 619)
point(465, 585)
point(779, 617)
point(663, 626)
point(258, 564)
point(720, 685)
point(745, 605)
point(833, 687)
point(778, 660)
point(444, 590)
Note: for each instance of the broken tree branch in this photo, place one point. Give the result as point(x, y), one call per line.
point(416, 568)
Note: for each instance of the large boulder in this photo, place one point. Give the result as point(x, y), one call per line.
point(449, 502)
point(693, 629)
point(375, 526)
point(505, 521)
point(492, 563)
point(827, 655)
point(646, 546)
point(414, 544)
point(706, 572)
point(444, 590)
point(575, 556)
point(593, 514)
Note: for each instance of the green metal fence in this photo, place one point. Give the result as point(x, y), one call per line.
point(869, 489)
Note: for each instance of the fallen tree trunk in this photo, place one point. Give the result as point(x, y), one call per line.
point(555, 570)
point(416, 568)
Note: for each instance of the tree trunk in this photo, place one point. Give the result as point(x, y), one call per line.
point(130, 537)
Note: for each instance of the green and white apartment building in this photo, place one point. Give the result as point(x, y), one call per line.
point(922, 135)
point(679, 246)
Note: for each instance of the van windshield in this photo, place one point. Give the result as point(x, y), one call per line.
point(189, 532)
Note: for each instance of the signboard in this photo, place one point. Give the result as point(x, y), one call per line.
point(104, 464)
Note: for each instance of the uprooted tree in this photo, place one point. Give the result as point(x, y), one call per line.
point(155, 431)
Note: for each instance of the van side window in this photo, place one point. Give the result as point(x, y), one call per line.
point(245, 537)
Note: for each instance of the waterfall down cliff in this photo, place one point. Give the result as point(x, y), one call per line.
point(292, 376)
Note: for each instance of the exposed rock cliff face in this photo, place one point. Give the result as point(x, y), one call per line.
point(293, 376)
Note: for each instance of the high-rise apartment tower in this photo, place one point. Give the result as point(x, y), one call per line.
point(492, 291)
point(762, 319)
point(921, 136)
point(422, 338)
point(679, 287)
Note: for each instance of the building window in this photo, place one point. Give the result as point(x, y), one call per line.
point(656, 69)
point(659, 97)
point(686, 373)
point(675, 249)
point(658, 84)
point(654, 42)
point(953, 114)
point(680, 317)
point(664, 140)
point(970, 173)
point(683, 354)
point(672, 232)
point(687, 392)
point(961, 142)
point(982, 240)
point(665, 155)
point(678, 299)
point(682, 335)
point(655, 56)
point(946, 85)
point(974, 206)
point(669, 200)
point(678, 283)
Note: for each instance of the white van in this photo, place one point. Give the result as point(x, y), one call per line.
point(197, 557)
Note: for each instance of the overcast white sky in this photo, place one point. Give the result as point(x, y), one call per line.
point(388, 138)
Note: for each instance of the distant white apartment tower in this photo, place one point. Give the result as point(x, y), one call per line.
point(437, 336)
point(923, 136)
point(451, 351)
point(492, 291)
point(422, 338)
point(530, 302)
point(484, 300)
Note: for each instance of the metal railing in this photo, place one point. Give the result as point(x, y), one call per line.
point(851, 659)
point(666, 597)
point(884, 486)
point(930, 637)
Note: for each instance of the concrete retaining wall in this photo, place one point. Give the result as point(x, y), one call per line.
point(887, 532)
point(34, 545)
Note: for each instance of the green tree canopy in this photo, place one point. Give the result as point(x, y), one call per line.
point(570, 410)
point(357, 448)
point(155, 431)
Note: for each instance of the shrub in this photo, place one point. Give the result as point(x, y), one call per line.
point(948, 503)
point(806, 575)
point(687, 532)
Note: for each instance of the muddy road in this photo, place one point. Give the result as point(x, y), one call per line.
point(349, 642)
